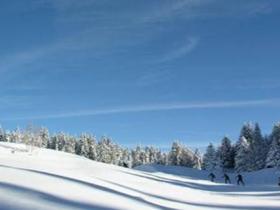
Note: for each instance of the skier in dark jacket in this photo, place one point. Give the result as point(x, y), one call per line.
point(212, 177)
point(279, 181)
point(227, 179)
point(240, 179)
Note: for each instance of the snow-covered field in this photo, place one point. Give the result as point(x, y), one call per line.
point(48, 179)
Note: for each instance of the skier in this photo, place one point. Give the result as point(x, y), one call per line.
point(212, 177)
point(227, 179)
point(279, 181)
point(240, 179)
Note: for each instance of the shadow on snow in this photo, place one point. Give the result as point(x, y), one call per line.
point(79, 205)
point(91, 185)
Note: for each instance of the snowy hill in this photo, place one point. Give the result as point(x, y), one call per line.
point(47, 179)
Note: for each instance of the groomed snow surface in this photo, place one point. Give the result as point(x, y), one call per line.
point(47, 179)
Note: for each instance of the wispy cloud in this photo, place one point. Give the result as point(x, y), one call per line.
point(103, 32)
point(181, 50)
point(88, 10)
point(171, 9)
point(12, 62)
point(193, 9)
point(92, 11)
point(156, 107)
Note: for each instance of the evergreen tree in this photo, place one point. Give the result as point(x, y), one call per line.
point(3, 136)
point(197, 161)
point(126, 159)
point(153, 155)
point(247, 131)
point(143, 157)
point(136, 156)
point(87, 147)
point(186, 157)
point(210, 158)
point(160, 159)
point(45, 138)
point(174, 155)
point(105, 150)
point(242, 162)
point(61, 141)
point(226, 154)
point(256, 147)
point(258, 150)
point(69, 145)
point(116, 153)
point(53, 143)
point(273, 156)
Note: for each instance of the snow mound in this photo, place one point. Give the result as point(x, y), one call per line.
point(47, 179)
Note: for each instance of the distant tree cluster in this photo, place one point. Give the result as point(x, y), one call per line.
point(104, 150)
point(251, 152)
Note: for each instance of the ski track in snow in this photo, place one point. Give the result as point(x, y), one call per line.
point(51, 180)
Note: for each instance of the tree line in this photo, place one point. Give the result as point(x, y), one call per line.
point(102, 150)
point(252, 151)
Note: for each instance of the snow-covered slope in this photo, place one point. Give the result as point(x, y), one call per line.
point(49, 179)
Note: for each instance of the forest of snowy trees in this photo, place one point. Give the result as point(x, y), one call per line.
point(104, 150)
point(251, 152)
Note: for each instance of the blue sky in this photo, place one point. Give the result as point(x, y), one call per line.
point(141, 72)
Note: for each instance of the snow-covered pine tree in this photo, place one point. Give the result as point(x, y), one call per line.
point(186, 157)
point(116, 153)
point(45, 137)
point(126, 159)
point(17, 135)
point(3, 136)
point(159, 157)
point(92, 149)
point(78, 146)
point(13, 137)
point(197, 160)
point(210, 158)
point(144, 156)
point(86, 146)
point(226, 154)
point(174, 154)
point(28, 138)
point(153, 152)
point(105, 150)
point(273, 156)
point(164, 158)
point(61, 141)
point(258, 149)
point(242, 162)
point(135, 153)
point(69, 145)
point(250, 133)
point(247, 131)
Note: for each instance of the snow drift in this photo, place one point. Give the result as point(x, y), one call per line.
point(47, 179)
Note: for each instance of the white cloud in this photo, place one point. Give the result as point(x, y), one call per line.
point(157, 107)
